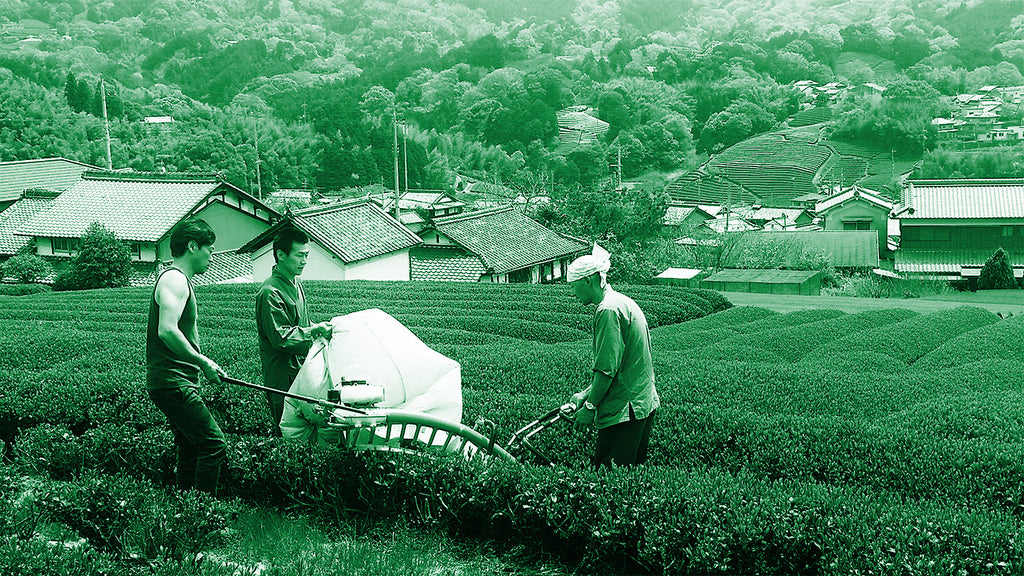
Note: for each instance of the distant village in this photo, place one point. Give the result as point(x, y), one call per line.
point(480, 232)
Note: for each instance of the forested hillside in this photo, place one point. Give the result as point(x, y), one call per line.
point(314, 84)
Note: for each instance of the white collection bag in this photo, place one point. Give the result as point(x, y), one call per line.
point(371, 345)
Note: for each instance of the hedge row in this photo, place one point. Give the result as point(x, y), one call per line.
point(997, 340)
point(105, 524)
point(912, 338)
point(649, 520)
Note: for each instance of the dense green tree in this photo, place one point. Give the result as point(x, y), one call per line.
point(612, 108)
point(102, 261)
point(997, 273)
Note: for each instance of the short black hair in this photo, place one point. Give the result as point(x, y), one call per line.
point(192, 229)
point(287, 237)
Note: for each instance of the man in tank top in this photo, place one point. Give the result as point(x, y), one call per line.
point(174, 360)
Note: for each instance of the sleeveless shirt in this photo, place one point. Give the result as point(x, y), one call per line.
point(165, 368)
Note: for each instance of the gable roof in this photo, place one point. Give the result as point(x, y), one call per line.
point(30, 204)
point(845, 248)
point(49, 173)
point(134, 206)
point(676, 214)
point(729, 223)
point(963, 199)
point(428, 199)
point(851, 194)
point(352, 231)
point(506, 240)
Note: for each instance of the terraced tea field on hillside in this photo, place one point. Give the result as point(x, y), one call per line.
point(808, 442)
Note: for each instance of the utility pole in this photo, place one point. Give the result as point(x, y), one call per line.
point(256, 142)
point(394, 152)
point(405, 153)
point(106, 123)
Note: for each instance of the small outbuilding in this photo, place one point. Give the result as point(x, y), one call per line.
point(793, 282)
point(688, 277)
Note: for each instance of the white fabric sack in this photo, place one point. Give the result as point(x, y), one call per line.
point(371, 345)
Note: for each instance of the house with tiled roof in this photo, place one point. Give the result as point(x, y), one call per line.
point(857, 208)
point(949, 228)
point(142, 209)
point(578, 125)
point(769, 218)
point(417, 207)
point(30, 203)
point(494, 245)
point(353, 240)
point(56, 174)
point(684, 217)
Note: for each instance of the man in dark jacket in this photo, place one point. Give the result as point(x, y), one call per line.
point(282, 322)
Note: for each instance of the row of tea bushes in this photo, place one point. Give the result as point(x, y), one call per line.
point(102, 524)
point(657, 519)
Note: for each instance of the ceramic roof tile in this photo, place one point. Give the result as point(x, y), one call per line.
point(850, 194)
point(226, 267)
point(506, 240)
point(945, 261)
point(141, 210)
point(444, 264)
point(49, 173)
point(963, 199)
point(358, 230)
point(17, 214)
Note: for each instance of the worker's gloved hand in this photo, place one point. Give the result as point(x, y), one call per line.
point(584, 419)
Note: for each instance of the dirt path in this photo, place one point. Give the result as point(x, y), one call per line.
point(853, 305)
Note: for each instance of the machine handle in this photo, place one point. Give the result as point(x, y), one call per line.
point(307, 399)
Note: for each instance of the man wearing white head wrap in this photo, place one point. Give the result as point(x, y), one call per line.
point(621, 399)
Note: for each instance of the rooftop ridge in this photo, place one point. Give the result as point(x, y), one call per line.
point(165, 177)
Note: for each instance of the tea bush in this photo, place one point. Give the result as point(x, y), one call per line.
point(809, 442)
point(912, 338)
point(1003, 339)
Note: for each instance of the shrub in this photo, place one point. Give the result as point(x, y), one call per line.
point(911, 338)
point(25, 269)
point(1001, 340)
point(23, 289)
point(997, 274)
point(102, 261)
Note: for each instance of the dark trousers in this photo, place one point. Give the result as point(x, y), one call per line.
point(625, 443)
point(197, 437)
point(275, 402)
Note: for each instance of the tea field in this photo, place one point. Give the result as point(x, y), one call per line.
point(809, 442)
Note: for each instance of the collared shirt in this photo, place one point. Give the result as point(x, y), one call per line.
point(622, 351)
point(283, 328)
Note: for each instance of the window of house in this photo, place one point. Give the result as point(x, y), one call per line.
point(1007, 231)
point(64, 245)
point(857, 225)
point(519, 276)
point(136, 249)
